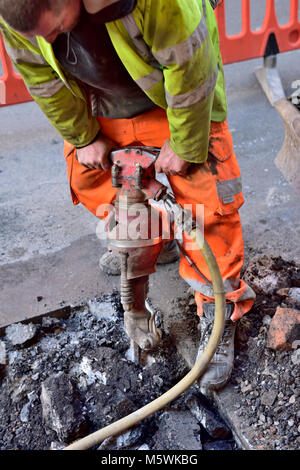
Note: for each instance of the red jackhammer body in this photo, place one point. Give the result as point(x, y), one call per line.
point(135, 231)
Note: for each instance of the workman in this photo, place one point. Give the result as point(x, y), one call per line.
point(116, 73)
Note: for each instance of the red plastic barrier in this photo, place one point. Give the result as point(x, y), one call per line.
point(250, 44)
point(12, 87)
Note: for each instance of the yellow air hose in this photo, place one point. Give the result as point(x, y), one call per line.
point(195, 373)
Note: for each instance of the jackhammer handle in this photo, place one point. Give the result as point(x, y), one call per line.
point(154, 150)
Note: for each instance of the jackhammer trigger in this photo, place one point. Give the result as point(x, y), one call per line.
point(183, 218)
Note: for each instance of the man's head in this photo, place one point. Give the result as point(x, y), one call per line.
point(46, 18)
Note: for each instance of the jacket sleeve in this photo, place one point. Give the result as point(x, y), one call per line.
point(178, 36)
point(67, 112)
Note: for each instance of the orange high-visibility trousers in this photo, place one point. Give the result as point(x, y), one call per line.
point(214, 186)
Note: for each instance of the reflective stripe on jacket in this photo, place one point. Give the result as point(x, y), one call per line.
point(171, 50)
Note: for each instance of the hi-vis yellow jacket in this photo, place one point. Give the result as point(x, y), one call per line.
point(169, 47)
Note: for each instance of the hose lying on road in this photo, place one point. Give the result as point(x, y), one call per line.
point(195, 373)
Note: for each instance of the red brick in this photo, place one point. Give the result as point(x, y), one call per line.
point(282, 329)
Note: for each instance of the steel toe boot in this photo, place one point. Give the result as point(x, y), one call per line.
point(219, 369)
point(110, 261)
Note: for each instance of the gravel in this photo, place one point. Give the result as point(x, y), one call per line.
point(268, 380)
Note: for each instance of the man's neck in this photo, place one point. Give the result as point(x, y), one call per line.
point(93, 6)
point(115, 10)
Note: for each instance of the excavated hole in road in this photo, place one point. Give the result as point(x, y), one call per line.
point(62, 379)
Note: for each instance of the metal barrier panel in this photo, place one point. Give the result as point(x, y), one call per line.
point(249, 44)
point(12, 87)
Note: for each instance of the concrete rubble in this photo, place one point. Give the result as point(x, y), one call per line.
point(284, 330)
point(19, 334)
point(268, 274)
point(73, 378)
point(261, 402)
point(178, 430)
point(210, 421)
point(61, 408)
point(2, 354)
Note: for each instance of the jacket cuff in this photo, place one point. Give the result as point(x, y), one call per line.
point(89, 143)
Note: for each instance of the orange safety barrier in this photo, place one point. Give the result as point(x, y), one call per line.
point(269, 40)
point(12, 87)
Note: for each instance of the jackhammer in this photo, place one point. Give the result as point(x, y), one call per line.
point(133, 176)
point(138, 245)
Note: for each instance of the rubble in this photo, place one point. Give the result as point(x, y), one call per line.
point(124, 441)
point(3, 358)
point(213, 425)
point(178, 430)
point(129, 438)
point(284, 329)
point(268, 398)
point(89, 351)
point(61, 408)
point(266, 381)
point(219, 445)
point(268, 274)
point(75, 378)
point(20, 335)
point(294, 294)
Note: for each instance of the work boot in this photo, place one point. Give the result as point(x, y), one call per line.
point(169, 253)
point(110, 262)
point(219, 369)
